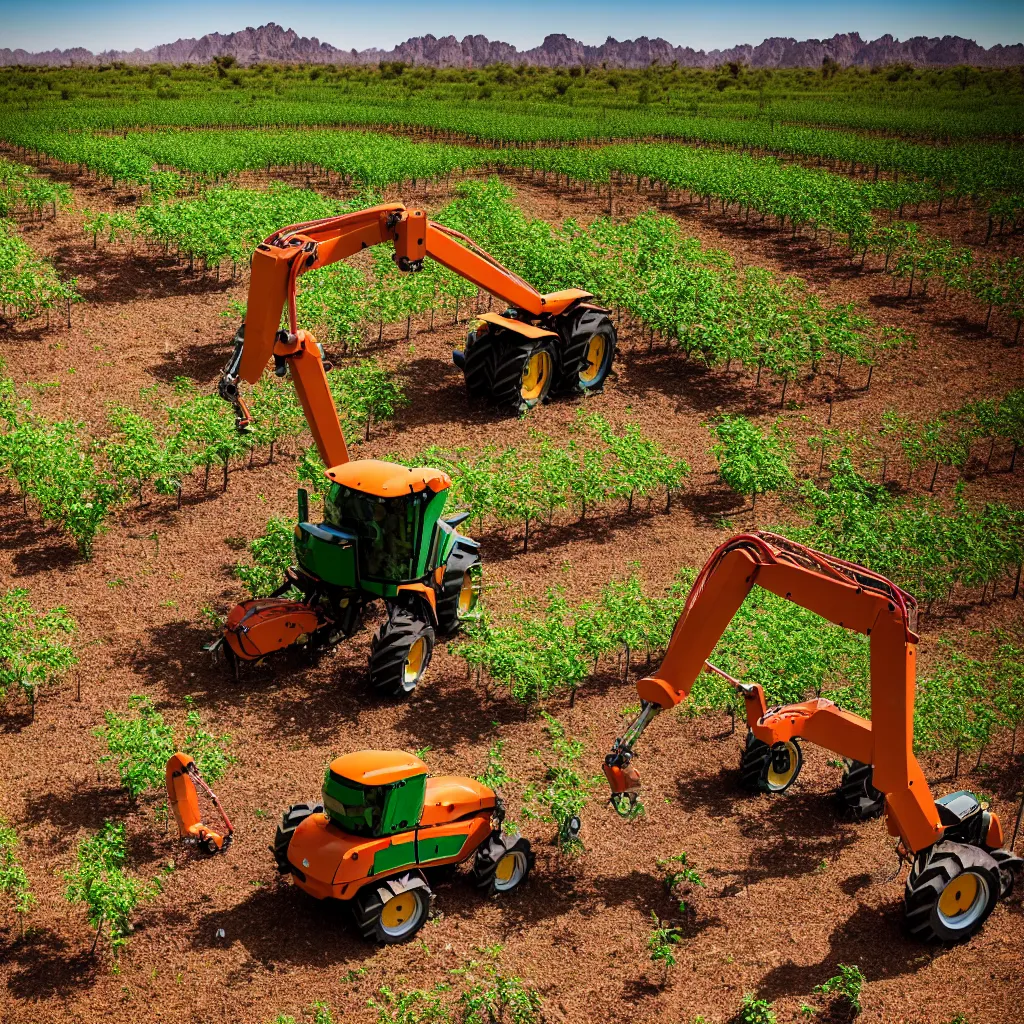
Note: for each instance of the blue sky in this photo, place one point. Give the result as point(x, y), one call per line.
point(103, 24)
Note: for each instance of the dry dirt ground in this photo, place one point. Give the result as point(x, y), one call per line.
point(791, 891)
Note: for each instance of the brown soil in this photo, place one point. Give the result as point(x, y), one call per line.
point(791, 891)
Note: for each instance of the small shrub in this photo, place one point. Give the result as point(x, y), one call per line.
point(13, 879)
point(660, 945)
point(101, 883)
point(845, 986)
point(34, 652)
point(756, 1011)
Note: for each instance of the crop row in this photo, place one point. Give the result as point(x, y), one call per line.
point(77, 481)
point(539, 652)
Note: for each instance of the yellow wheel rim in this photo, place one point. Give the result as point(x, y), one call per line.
point(398, 910)
point(506, 866)
point(536, 375)
point(595, 358)
point(779, 780)
point(960, 895)
point(467, 595)
point(414, 660)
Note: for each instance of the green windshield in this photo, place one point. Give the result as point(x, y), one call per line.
point(387, 528)
point(356, 809)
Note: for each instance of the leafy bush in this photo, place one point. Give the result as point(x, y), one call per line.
point(33, 648)
point(141, 744)
point(679, 878)
point(749, 461)
point(13, 879)
point(99, 880)
point(757, 1011)
point(271, 554)
point(846, 986)
point(564, 792)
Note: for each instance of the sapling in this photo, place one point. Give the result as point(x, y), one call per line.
point(13, 879)
point(660, 943)
point(100, 881)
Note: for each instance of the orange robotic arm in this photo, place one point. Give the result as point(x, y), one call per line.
point(279, 261)
point(845, 594)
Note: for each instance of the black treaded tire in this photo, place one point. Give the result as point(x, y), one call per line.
point(1010, 865)
point(512, 352)
point(756, 763)
point(582, 325)
point(290, 821)
point(478, 370)
point(489, 855)
point(860, 800)
point(390, 649)
point(462, 559)
point(938, 867)
point(368, 908)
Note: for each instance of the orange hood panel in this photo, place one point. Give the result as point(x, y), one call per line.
point(450, 797)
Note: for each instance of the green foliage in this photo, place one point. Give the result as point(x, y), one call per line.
point(486, 996)
point(29, 286)
point(846, 986)
point(660, 944)
point(366, 393)
point(679, 878)
point(100, 881)
point(141, 744)
point(34, 652)
point(925, 546)
point(13, 880)
point(495, 776)
point(749, 461)
point(209, 751)
point(271, 554)
point(564, 792)
point(756, 1011)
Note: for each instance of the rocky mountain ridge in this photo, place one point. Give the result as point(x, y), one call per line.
point(272, 44)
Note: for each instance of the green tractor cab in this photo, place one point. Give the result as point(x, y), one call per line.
point(383, 538)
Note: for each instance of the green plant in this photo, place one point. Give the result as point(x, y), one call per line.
point(99, 880)
point(495, 776)
point(749, 461)
point(564, 792)
point(34, 652)
point(141, 743)
point(13, 880)
point(271, 554)
point(846, 986)
point(208, 750)
point(659, 944)
point(757, 1011)
point(679, 877)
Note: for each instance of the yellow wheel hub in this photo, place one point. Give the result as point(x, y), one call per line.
point(506, 866)
point(467, 595)
point(595, 358)
point(778, 780)
point(414, 660)
point(398, 910)
point(960, 895)
point(536, 375)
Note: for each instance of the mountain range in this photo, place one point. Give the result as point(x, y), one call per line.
point(272, 44)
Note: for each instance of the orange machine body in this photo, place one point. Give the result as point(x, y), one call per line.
point(328, 862)
point(847, 595)
point(267, 624)
point(183, 800)
point(284, 256)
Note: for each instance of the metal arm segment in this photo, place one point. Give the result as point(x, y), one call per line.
point(281, 259)
point(849, 596)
